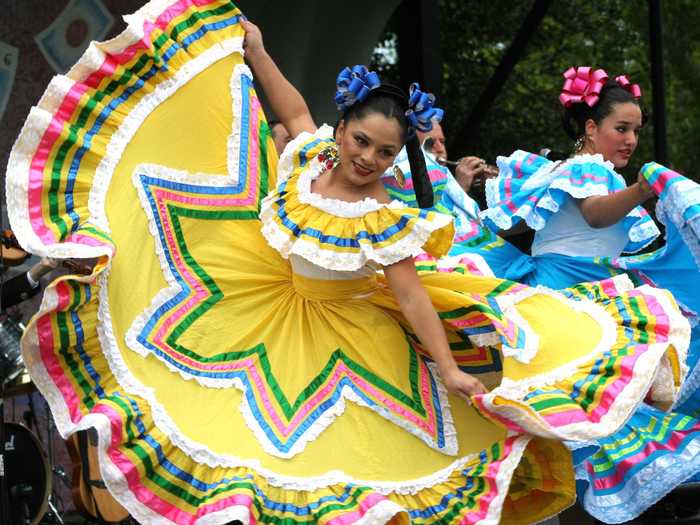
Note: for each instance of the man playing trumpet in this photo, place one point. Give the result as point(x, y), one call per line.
point(470, 171)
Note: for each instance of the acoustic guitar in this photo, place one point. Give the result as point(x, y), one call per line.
point(11, 253)
point(90, 495)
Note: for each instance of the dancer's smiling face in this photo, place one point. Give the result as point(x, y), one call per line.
point(367, 147)
point(617, 135)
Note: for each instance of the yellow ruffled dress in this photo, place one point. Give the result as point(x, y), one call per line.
point(229, 379)
point(572, 367)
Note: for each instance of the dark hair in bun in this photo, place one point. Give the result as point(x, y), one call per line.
point(576, 115)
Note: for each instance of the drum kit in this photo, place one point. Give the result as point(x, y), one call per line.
point(27, 470)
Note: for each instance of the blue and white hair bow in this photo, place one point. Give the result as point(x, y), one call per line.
point(354, 85)
point(421, 114)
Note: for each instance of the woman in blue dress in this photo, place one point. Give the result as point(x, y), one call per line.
point(585, 218)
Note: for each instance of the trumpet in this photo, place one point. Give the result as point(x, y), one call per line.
point(487, 170)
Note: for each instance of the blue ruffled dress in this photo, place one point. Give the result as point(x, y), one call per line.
point(623, 475)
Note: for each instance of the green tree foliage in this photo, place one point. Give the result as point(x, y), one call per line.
point(610, 34)
point(682, 44)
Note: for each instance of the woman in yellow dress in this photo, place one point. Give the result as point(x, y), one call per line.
point(256, 342)
point(370, 135)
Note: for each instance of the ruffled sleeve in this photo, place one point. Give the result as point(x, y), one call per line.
point(403, 191)
point(339, 235)
point(532, 188)
point(299, 153)
point(679, 203)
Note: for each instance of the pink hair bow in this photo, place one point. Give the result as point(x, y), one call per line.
point(625, 83)
point(582, 85)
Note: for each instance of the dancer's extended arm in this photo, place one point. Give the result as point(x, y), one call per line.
point(286, 102)
point(601, 211)
point(419, 311)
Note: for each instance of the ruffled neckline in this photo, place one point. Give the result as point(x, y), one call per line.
point(532, 188)
point(313, 170)
point(340, 235)
point(552, 169)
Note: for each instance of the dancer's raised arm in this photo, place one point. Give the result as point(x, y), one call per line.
point(286, 101)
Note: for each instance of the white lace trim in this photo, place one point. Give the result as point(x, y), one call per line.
point(532, 341)
point(645, 488)
point(642, 230)
point(312, 170)
point(381, 513)
point(503, 480)
point(682, 194)
point(664, 390)
point(408, 246)
point(645, 376)
point(336, 207)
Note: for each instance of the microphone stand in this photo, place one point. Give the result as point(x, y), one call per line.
point(4, 494)
point(4, 488)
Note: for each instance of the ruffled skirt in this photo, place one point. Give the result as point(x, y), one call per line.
point(275, 396)
point(655, 451)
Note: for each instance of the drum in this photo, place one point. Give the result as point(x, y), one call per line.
point(11, 364)
point(28, 475)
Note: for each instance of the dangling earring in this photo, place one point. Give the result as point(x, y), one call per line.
point(578, 145)
point(329, 157)
point(399, 176)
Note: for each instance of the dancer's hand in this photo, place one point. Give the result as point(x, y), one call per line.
point(644, 187)
point(253, 42)
point(463, 384)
